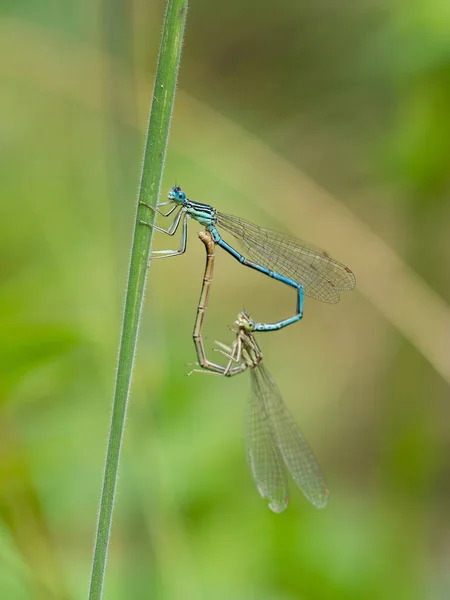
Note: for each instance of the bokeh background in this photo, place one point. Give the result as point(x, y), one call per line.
point(328, 120)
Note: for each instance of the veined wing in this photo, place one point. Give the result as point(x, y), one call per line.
point(294, 449)
point(321, 276)
point(263, 454)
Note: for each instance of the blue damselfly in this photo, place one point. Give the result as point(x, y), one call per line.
point(309, 271)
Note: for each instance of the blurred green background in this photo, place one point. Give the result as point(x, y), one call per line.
point(328, 120)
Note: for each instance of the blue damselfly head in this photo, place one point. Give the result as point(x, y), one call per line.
point(177, 195)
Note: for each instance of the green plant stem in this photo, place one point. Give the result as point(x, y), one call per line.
point(154, 155)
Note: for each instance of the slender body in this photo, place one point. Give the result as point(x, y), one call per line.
point(273, 441)
point(281, 257)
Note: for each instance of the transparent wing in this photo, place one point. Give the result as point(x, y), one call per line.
point(290, 443)
point(321, 276)
point(263, 455)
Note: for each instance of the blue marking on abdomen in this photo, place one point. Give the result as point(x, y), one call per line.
point(273, 274)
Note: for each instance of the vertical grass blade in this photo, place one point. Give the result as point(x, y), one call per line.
point(154, 155)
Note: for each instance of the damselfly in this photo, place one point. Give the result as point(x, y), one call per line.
point(273, 441)
point(281, 257)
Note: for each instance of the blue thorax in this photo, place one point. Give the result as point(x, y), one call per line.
point(203, 213)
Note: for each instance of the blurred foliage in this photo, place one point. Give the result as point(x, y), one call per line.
point(356, 95)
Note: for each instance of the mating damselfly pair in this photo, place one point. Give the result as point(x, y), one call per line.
point(273, 441)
